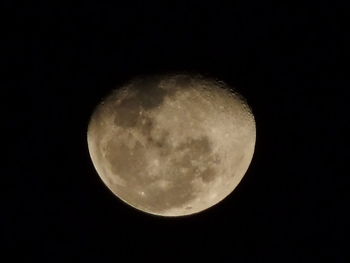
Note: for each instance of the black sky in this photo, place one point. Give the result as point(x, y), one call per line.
point(60, 60)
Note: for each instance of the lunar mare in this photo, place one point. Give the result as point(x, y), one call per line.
point(172, 145)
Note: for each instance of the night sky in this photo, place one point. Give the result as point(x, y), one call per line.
point(61, 60)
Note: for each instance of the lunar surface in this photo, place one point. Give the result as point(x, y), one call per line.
point(172, 145)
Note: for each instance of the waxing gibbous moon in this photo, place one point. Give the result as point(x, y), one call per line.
point(172, 145)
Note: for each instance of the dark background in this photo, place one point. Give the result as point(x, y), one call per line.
point(60, 60)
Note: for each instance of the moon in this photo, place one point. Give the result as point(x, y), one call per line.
point(172, 145)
